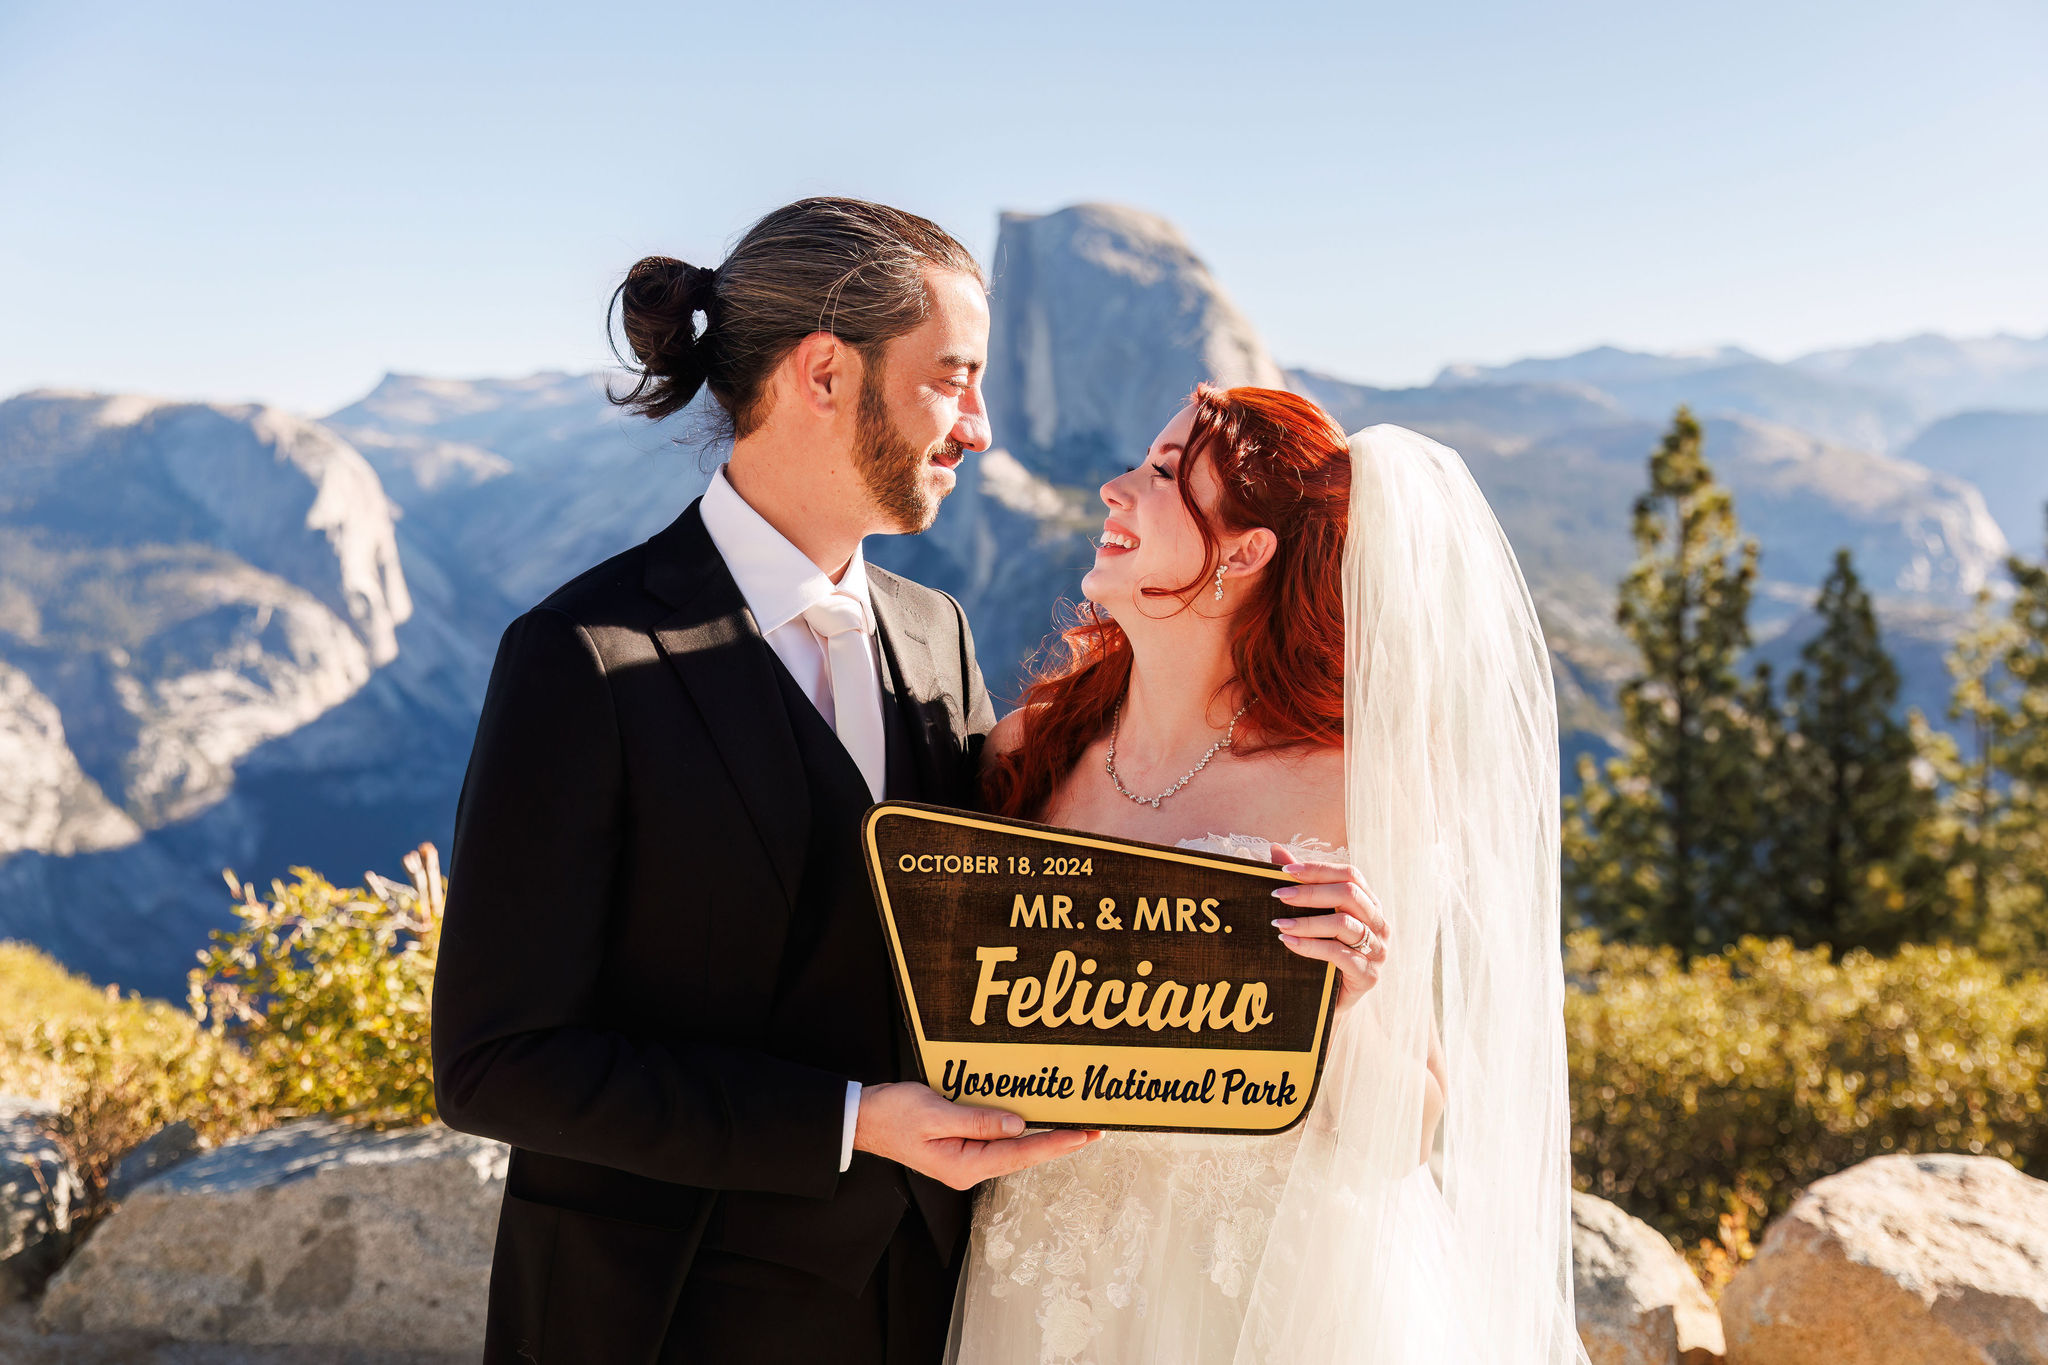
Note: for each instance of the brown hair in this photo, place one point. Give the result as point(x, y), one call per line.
point(1285, 464)
point(844, 266)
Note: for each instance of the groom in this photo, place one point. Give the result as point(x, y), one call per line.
point(661, 979)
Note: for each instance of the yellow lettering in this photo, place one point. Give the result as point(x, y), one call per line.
point(1206, 1007)
point(1109, 993)
point(1251, 1008)
point(1058, 982)
point(1062, 907)
point(1068, 994)
point(1184, 915)
point(1023, 1001)
point(1168, 1003)
point(1034, 915)
point(1077, 1011)
point(1151, 914)
point(989, 986)
point(1210, 923)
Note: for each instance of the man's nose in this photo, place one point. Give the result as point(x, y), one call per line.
point(972, 431)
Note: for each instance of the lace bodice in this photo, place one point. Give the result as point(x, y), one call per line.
point(1253, 846)
point(1142, 1246)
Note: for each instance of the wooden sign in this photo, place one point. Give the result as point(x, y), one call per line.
point(1082, 981)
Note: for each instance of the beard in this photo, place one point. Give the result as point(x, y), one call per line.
point(891, 465)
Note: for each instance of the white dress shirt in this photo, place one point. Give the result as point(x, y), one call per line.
point(779, 582)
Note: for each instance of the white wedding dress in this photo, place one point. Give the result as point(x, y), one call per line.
point(1144, 1247)
point(1331, 1244)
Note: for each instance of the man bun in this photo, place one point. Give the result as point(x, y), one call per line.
point(658, 302)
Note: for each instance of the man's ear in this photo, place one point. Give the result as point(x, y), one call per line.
point(821, 373)
point(1253, 552)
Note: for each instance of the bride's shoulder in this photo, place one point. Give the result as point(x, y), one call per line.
point(1009, 732)
point(1309, 767)
point(1295, 789)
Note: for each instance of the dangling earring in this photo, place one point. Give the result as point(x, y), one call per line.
point(1220, 568)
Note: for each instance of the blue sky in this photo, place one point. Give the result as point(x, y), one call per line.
point(280, 202)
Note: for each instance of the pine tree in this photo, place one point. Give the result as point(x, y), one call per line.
point(1845, 849)
point(1993, 827)
point(1962, 838)
point(1661, 846)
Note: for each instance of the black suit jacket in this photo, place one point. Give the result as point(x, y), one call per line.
point(631, 846)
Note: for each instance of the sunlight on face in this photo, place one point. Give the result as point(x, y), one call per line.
point(924, 411)
point(1148, 540)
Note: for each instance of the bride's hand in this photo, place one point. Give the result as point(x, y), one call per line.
point(1334, 937)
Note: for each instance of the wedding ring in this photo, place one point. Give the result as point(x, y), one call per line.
point(1364, 944)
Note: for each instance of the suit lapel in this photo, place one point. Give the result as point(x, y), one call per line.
point(715, 646)
point(912, 678)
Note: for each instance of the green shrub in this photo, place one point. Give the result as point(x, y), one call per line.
point(35, 986)
point(1705, 1097)
point(328, 989)
point(316, 1003)
point(117, 1068)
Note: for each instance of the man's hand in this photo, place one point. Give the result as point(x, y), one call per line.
point(959, 1144)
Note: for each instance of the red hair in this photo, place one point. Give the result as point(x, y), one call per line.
point(1283, 463)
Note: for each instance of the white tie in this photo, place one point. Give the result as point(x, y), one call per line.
point(856, 695)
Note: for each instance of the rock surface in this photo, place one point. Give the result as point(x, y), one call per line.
point(22, 1344)
point(525, 483)
point(1102, 319)
point(1900, 1260)
point(2005, 454)
point(38, 1190)
point(171, 1145)
point(314, 1234)
point(48, 804)
point(1638, 1302)
point(194, 598)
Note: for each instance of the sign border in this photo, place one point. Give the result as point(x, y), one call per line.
point(1326, 1015)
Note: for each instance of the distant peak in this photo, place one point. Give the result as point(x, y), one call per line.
point(1113, 217)
point(1605, 363)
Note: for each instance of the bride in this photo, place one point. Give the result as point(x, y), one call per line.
point(1318, 651)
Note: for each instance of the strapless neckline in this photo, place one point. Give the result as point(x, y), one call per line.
point(1253, 846)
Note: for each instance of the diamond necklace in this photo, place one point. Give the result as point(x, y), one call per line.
point(1109, 760)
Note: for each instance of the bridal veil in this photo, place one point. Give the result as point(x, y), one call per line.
point(1451, 762)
